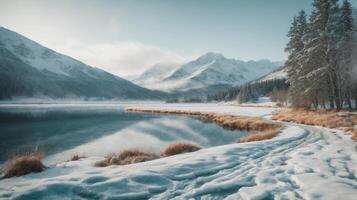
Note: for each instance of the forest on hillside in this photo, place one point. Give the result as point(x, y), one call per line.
point(253, 90)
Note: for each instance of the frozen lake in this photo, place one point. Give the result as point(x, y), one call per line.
point(61, 130)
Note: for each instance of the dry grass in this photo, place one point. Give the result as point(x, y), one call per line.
point(24, 164)
point(126, 157)
point(329, 119)
point(243, 123)
point(263, 135)
point(179, 148)
point(323, 118)
point(76, 157)
point(226, 121)
point(265, 129)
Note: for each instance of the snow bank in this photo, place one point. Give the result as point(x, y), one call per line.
point(261, 102)
point(303, 162)
point(211, 170)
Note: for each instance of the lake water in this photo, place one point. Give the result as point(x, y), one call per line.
point(61, 130)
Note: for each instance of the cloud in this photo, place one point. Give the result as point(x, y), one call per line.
point(95, 38)
point(124, 59)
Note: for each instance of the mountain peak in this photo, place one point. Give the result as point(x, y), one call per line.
point(209, 72)
point(212, 56)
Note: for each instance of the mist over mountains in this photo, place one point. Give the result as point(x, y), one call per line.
point(211, 70)
point(28, 69)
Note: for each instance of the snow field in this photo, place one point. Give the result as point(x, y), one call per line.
point(303, 162)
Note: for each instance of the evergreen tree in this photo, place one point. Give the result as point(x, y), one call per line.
point(295, 47)
point(333, 38)
point(320, 67)
point(317, 74)
point(296, 33)
point(346, 51)
point(313, 75)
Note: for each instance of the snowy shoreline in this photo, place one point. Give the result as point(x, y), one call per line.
point(302, 162)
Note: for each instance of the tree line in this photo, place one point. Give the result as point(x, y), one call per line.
point(322, 49)
point(251, 91)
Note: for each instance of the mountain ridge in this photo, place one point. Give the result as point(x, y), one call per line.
point(206, 71)
point(29, 69)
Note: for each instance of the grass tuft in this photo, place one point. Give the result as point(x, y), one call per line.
point(179, 148)
point(76, 157)
point(24, 164)
point(262, 135)
point(126, 157)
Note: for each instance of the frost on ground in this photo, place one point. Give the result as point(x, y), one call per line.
point(303, 162)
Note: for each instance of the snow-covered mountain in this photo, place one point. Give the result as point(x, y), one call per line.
point(156, 73)
point(28, 69)
point(207, 71)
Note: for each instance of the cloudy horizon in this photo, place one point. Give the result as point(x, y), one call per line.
point(126, 37)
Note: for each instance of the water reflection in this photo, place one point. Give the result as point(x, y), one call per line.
point(97, 130)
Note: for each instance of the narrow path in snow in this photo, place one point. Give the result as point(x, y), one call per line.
point(311, 166)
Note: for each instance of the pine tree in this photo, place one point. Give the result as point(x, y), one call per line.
point(295, 47)
point(333, 38)
point(346, 51)
point(313, 59)
point(296, 33)
point(319, 69)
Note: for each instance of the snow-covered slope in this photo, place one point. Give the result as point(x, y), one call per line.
point(156, 73)
point(280, 73)
point(28, 69)
point(208, 70)
point(303, 162)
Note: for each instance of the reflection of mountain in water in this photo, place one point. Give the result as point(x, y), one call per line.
point(54, 130)
point(98, 130)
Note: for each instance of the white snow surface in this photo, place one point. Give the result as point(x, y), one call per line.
point(280, 74)
point(303, 162)
point(261, 102)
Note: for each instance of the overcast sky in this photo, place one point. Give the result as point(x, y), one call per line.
point(125, 37)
